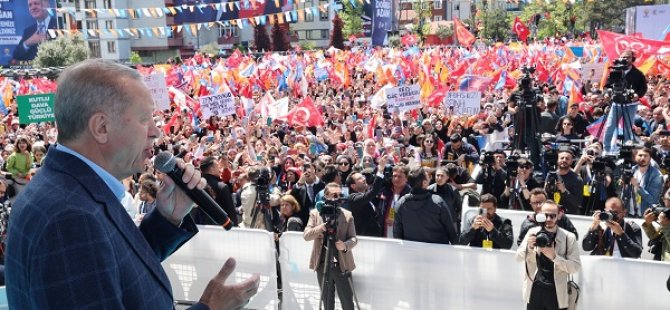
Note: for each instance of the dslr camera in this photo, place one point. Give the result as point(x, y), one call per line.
point(607, 216)
point(543, 238)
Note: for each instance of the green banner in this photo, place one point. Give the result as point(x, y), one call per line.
point(36, 108)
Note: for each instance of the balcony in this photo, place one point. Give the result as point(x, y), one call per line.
point(175, 42)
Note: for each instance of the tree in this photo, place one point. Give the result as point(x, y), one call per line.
point(495, 23)
point(307, 45)
point(424, 13)
point(135, 58)
point(352, 18)
point(336, 37)
point(211, 49)
point(261, 38)
point(444, 32)
point(279, 38)
point(61, 52)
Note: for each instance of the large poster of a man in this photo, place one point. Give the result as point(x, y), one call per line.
point(23, 26)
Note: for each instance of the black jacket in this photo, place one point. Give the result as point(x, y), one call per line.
point(362, 207)
point(223, 197)
point(424, 217)
point(451, 197)
point(501, 235)
point(299, 192)
point(630, 243)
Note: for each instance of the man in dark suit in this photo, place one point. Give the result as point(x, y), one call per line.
point(361, 201)
point(71, 243)
point(306, 191)
point(36, 33)
point(210, 169)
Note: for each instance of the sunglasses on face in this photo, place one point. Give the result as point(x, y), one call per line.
point(551, 215)
point(344, 164)
point(524, 167)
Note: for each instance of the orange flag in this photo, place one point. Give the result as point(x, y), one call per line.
point(464, 36)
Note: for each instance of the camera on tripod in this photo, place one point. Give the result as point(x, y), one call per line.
point(388, 174)
point(329, 212)
point(626, 153)
point(487, 159)
point(527, 78)
point(543, 238)
point(621, 92)
point(512, 164)
point(262, 187)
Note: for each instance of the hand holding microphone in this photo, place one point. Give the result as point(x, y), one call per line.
point(176, 204)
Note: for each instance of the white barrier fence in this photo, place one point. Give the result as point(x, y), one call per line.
point(395, 274)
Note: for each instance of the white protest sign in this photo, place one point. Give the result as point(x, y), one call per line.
point(220, 105)
point(463, 102)
point(159, 91)
point(403, 98)
point(592, 73)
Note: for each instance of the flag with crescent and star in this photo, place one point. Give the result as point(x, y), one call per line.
point(520, 29)
point(464, 36)
point(305, 114)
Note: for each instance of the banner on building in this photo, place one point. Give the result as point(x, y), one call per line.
point(23, 30)
point(381, 21)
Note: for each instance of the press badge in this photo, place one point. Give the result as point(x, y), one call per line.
point(487, 244)
point(587, 190)
point(557, 197)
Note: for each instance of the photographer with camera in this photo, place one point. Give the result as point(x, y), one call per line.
point(363, 201)
point(492, 176)
point(596, 172)
point(550, 255)
point(331, 226)
point(423, 216)
point(487, 229)
point(463, 153)
point(620, 239)
point(568, 184)
point(259, 199)
point(658, 236)
point(647, 183)
point(516, 195)
point(623, 78)
point(537, 198)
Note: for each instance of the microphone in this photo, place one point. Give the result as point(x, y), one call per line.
point(166, 163)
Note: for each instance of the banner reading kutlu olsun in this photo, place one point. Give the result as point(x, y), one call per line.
point(24, 25)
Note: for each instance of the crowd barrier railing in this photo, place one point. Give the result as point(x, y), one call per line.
point(396, 274)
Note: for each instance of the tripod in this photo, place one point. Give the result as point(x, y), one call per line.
point(327, 299)
point(525, 126)
point(262, 206)
point(621, 102)
point(595, 191)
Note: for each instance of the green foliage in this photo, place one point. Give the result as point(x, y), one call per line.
point(135, 58)
point(423, 11)
point(352, 18)
point(444, 32)
point(307, 45)
point(210, 49)
point(496, 23)
point(61, 52)
point(394, 41)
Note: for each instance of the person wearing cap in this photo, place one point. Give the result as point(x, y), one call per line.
point(662, 232)
point(220, 192)
point(460, 151)
point(516, 195)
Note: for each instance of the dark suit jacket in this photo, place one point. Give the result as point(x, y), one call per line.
point(300, 194)
point(20, 52)
point(599, 241)
point(71, 244)
point(222, 196)
point(366, 219)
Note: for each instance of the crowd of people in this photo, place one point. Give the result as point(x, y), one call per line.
point(404, 174)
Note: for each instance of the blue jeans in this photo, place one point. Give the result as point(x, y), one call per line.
point(617, 110)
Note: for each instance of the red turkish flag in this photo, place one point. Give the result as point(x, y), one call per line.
point(305, 114)
point(435, 99)
point(520, 29)
point(464, 36)
point(614, 44)
point(408, 39)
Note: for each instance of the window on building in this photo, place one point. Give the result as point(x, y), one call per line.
point(425, 5)
point(437, 4)
point(94, 47)
point(109, 24)
point(437, 18)
point(107, 4)
point(309, 17)
point(89, 4)
point(324, 34)
point(111, 47)
point(301, 34)
point(230, 31)
point(318, 34)
point(323, 15)
point(91, 24)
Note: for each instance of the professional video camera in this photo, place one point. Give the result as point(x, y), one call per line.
point(388, 174)
point(487, 159)
point(543, 238)
point(512, 164)
point(262, 187)
point(329, 212)
point(626, 153)
point(527, 78)
point(621, 91)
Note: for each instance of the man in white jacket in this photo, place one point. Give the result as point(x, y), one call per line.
point(548, 265)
